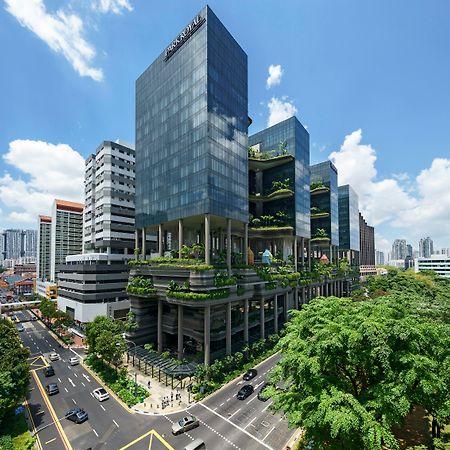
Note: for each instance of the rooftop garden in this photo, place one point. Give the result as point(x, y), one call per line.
point(317, 212)
point(317, 186)
point(320, 235)
point(280, 151)
point(141, 286)
point(279, 220)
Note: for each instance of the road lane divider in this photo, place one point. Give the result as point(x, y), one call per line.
point(58, 425)
point(33, 426)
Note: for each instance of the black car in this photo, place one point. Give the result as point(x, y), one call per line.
point(49, 371)
point(250, 374)
point(77, 415)
point(52, 389)
point(262, 393)
point(244, 392)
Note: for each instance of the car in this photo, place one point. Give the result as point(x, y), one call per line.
point(251, 373)
point(74, 361)
point(52, 389)
point(77, 415)
point(13, 317)
point(20, 327)
point(100, 394)
point(245, 391)
point(262, 393)
point(49, 371)
point(185, 424)
point(33, 318)
point(53, 356)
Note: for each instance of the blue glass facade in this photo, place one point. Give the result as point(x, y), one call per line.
point(326, 173)
point(293, 136)
point(348, 218)
point(191, 128)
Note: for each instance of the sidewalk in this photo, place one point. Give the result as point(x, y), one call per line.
point(162, 399)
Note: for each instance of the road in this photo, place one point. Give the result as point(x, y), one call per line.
point(226, 423)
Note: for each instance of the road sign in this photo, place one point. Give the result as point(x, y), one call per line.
point(19, 410)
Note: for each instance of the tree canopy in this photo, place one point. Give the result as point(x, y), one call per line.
point(14, 368)
point(354, 368)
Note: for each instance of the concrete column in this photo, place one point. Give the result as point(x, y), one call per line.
point(207, 240)
point(246, 321)
point(303, 295)
point(160, 240)
point(229, 246)
point(285, 307)
point(136, 242)
point(207, 337)
point(295, 254)
point(309, 254)
point(180, 332)
point(295, 292)
point(159, 326)
point(228, 329)
point(180, 236)
point(326, 289)
point(275, 313)
point(302, 244)
point(143, 243)
point(261, 318)
point(246, 244)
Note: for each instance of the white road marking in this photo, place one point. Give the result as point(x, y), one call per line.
point(117, 425)
point(71, 382)
point(251, 421)
point(234, 413)
point(222, 404)
point(255, 396)
point(236, 426)
point(258, 385)
point(220, 435)
point(101, 406)
point(95, 432)
point(265, 437)
point(92, 395)
point(75, 374)
point(83, 384)
point(66, 389)
point(87, 378)
point(74, 401)
point(265, 409)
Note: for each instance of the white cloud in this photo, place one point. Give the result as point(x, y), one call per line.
point(420, 209)
point(279, 110)
point(401, 176)
point(275, 74)
point(60, 31)
point(114, 6)
point(47, 171)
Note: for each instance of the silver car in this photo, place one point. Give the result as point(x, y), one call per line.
point(185, 424)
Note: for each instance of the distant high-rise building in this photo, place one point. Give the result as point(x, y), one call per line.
point(29, 243)
point(44, 248)
point(12, 244)
point(399, 249)
point(367, 243)
point(379, 258)
point(426, 247)
point(409, 250)
point(66, 234)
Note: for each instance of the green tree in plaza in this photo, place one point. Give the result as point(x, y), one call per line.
point(110, 347)
point(48, 309)
point(102, 326)
point(14, 368)
point(354, 369)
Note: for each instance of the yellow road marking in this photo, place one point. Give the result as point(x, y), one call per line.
point(150, 443)
point(52, 413)
point(51, 440)
point(150, 433)
point(32, 424)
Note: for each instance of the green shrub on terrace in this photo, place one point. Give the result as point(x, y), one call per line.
point(141, 286)
point(271, 285)
point(263, 272)
point(212, 295)
point(222, 279)
point(240, 290)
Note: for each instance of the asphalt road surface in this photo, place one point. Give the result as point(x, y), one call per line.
point(226, 423)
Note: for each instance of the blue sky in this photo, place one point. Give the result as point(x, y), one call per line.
point(370, 80)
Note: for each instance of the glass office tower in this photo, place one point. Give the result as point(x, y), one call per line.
point(191, 130)
point(348, 224)
point(325, 209)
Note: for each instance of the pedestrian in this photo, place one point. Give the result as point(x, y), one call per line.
point(148, 384)
point(171, 396)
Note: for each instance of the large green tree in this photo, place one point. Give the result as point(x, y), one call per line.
point(14, 368)
point(354, 369)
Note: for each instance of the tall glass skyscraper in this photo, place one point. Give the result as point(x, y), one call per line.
point(191, 128)
point(348, 223)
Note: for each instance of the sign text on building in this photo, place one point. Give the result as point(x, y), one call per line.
point(183, 36)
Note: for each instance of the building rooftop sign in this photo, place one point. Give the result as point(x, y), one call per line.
point(183, 36)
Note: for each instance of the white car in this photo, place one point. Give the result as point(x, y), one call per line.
point(74, 361)
point(53, 356)
point(100, 394)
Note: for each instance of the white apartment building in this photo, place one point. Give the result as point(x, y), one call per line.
point(43, 248)
point(439, 263)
